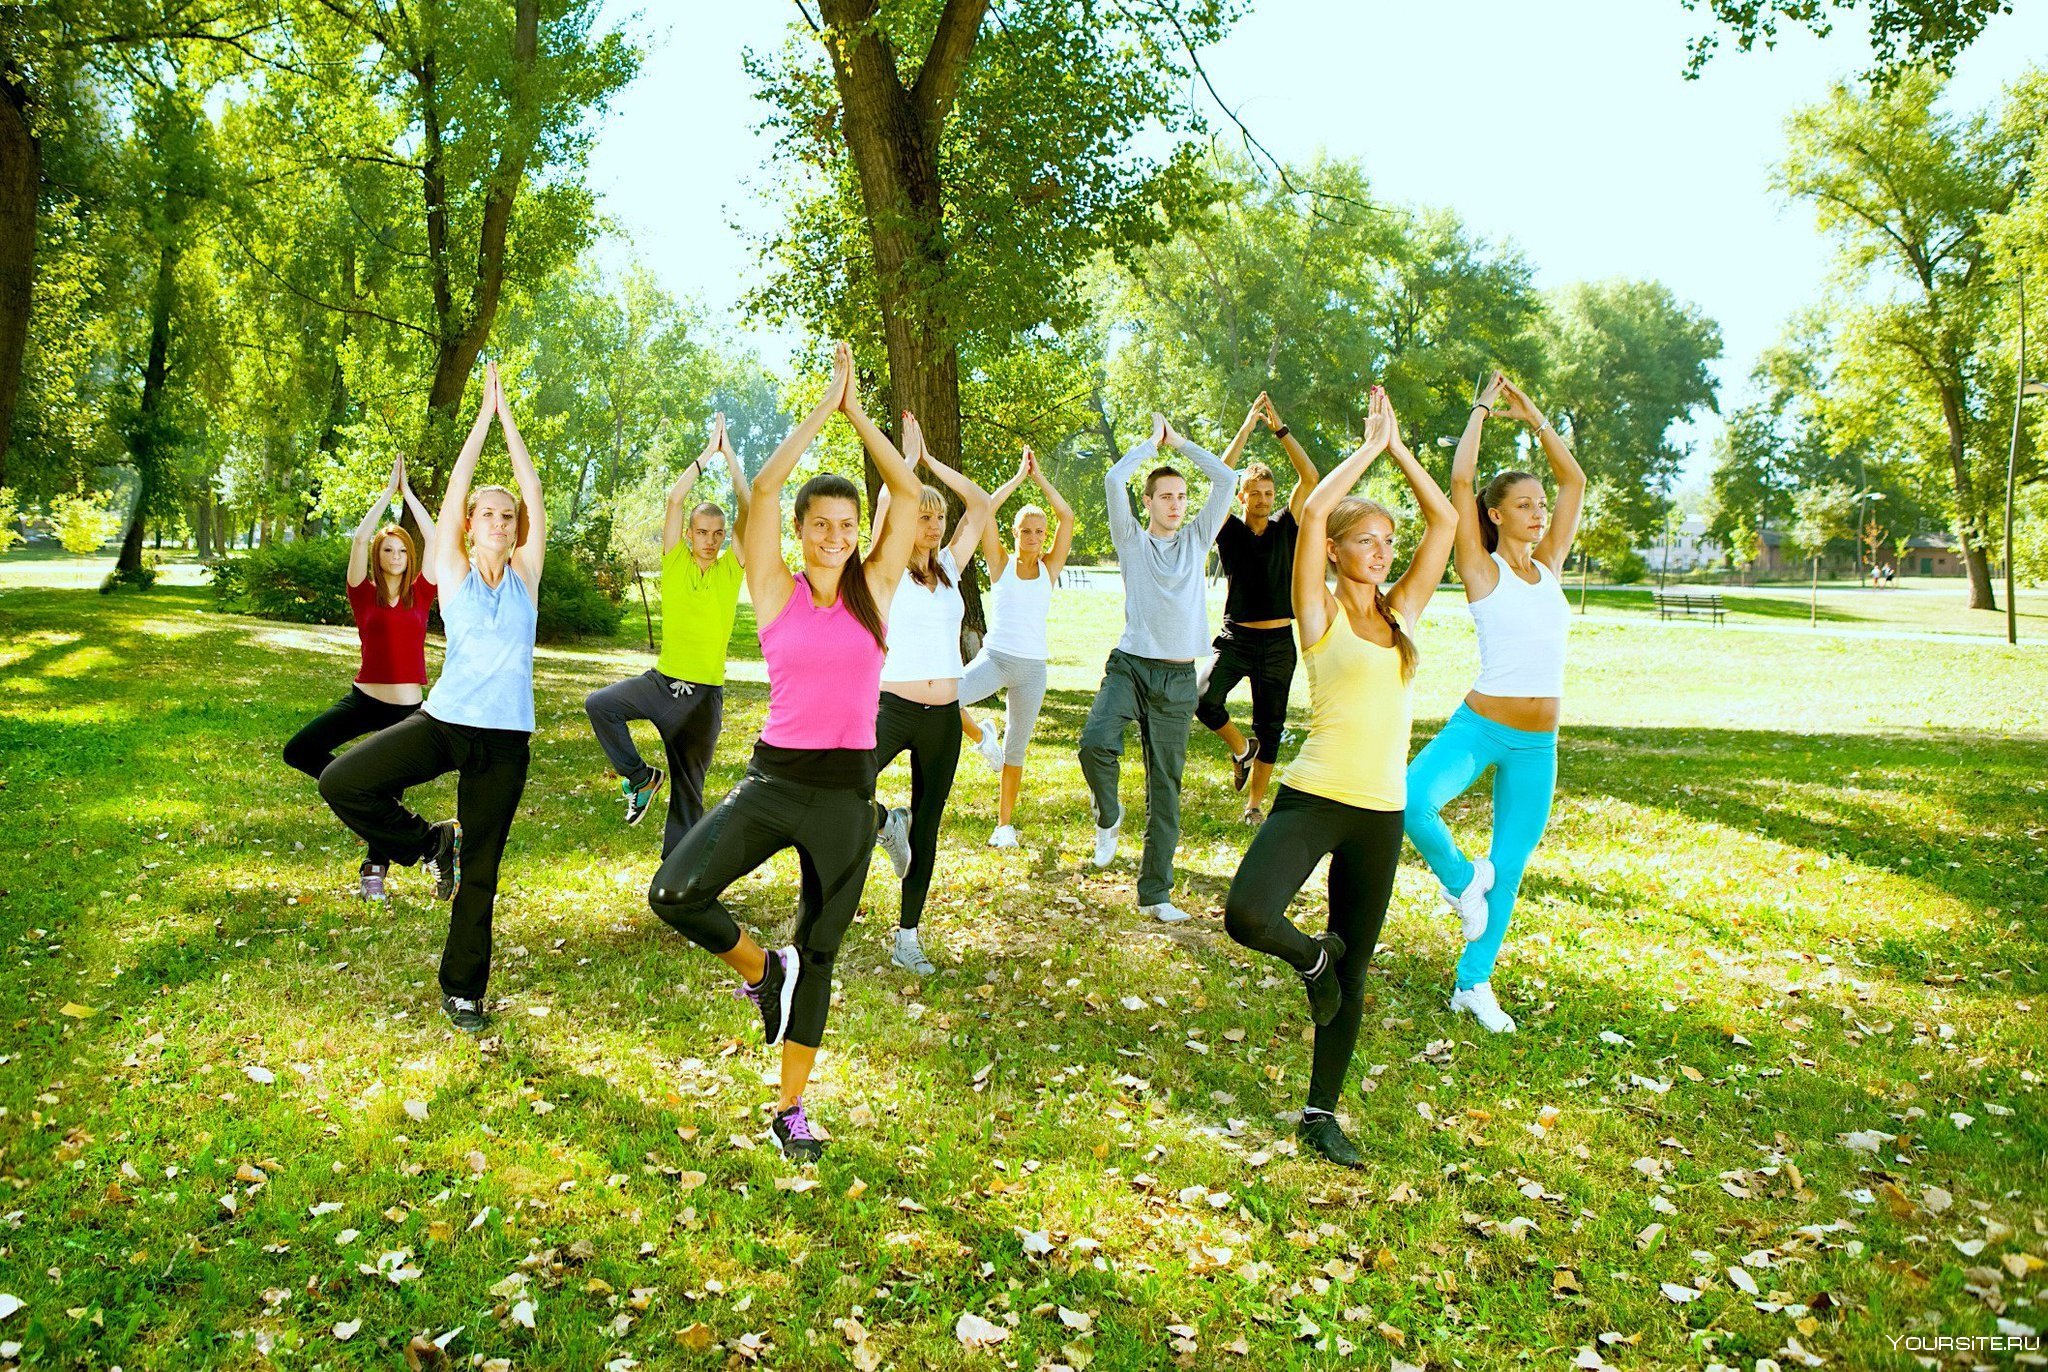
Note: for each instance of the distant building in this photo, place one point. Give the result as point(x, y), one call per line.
point(1936, 554)
point(1690, 549)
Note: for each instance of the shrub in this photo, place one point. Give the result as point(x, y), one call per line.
point(573, 601)
point(81, 522)
point(1628, 569)
point(304, 582)
point(141, 579)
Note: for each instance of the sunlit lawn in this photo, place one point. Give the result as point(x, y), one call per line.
point(1779, 973)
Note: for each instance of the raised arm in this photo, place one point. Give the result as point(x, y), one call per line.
point(992, 550)
point(678, 514)
point(889, 551)
point(451, 558)
point(1116, 488)
point(1570, 501)
point(1313, 602)
point(768, 580)
point(359, 542)
point(1476, 569)
point(742, 493)
point(1411, 594)
point(1305, 474)
point(1222, 486)
point(528, 556)
point(428, 540)
point(1233, 454)
point(1063, 538)
point(975, 505)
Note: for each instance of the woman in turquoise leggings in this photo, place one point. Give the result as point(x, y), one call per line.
point(1510, 553)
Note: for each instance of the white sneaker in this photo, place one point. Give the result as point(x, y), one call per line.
point(1105, 843)
point(991, 748)
point(1471, 902)
point(1478, 1002)
point(909, 954)
point(1005, 836)
point(1166, 912)
point(895, 840)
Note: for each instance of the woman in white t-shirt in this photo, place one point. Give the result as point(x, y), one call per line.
point(920, 706)
point(1510, 552)
point(1012, 657)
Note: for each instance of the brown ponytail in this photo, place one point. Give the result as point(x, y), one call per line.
point(1493, 497)
point(854, 592)
point(1350, 510)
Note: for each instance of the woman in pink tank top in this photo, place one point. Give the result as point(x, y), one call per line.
point(810, 784)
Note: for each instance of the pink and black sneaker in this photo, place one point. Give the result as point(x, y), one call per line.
point(793, 1136)
point(373, 880)
point(773, 993)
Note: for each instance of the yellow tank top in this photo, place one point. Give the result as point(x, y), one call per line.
point(1359, 710)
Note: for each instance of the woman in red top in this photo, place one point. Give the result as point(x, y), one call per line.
point(390, 603)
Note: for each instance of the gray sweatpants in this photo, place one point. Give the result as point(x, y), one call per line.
point(1159, 697)
point(687, 715)
point(1024, 678)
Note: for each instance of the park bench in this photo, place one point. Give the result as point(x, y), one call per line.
point(1689, 603)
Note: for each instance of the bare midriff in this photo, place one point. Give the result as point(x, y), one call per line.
point(393, 692)
point(941, 690)
point(1263, 623)
point(1536, 714)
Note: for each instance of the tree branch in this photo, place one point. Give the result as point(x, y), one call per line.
point(938, 81)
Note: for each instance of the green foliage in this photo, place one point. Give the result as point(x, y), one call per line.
point(1903, 33)
point(303, 581)
point(578, 599)
point(128, 579)
point(1627, 569)
point(1821, 517)
point(81, 522)
point(10, 515)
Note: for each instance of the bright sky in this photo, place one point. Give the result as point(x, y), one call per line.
point(1574, 135)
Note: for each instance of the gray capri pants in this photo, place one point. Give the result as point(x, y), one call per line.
point(1025, 679)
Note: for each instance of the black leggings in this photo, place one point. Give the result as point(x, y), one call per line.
point(355, 714)
point(931, 735)
point(833, 833)
point(1267, 656)
point(1364, 846)
point(365, 784)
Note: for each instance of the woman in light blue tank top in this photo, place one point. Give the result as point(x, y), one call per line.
point(477, 720)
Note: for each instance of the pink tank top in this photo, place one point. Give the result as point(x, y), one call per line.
point(824, 676)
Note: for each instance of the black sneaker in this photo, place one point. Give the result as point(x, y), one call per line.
point(1321, 1132)
point(444, 857)
point(638, 801)
point(773, 993)
point(1241, 767)
point(464, 1016)
point(794, 1139)
point(1324, 991)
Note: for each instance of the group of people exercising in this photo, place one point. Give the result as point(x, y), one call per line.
point(864, 664)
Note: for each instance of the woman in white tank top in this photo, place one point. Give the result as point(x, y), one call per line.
point(1012, 657)
point(1510, 552)
point(920, 710)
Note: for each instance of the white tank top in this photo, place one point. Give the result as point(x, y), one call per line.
point(924, 628)
point(1522, 631)
point(1017, 612)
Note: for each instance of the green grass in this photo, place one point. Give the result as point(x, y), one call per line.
point(1800, 876)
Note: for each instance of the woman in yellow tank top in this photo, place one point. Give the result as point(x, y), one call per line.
point(1345, 793)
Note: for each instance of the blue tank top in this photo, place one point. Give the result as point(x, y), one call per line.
point(486, 677)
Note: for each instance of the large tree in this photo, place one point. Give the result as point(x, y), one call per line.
point(1903, 33)
point(1906, 190)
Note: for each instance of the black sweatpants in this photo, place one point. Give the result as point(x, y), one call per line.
point(687, 715)
point(931, 735)
point(1363, 846)
point(833, 832)
point(366, 785)
point(1267, 656)
point(355, 714)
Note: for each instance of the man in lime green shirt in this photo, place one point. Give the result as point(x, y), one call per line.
point(684, 693)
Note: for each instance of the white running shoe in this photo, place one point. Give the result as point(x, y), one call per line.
point(1471, 902)
point(1478, 1002)
point(909, 954)
point(1166, 912)
point(1105, 843)
point(991, 747)
point(895, 840)
point(1005, 836)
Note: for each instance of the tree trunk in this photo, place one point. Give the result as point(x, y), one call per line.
point(1969, 519)
point(1813, 597)
point(145, 443)
point(21, 174)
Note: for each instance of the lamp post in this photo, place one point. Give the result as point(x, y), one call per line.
point(2022, 389)
point(1861, 503)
